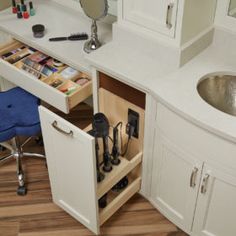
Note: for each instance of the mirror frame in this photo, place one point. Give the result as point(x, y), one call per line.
point(105, 13)
point(222, 19)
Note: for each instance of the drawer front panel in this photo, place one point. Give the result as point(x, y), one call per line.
point(72, 169)
point(34, 86)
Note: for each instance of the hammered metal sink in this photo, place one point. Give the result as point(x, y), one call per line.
point(219, 92)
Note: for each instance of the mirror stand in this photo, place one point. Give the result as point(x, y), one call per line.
point(93, 43)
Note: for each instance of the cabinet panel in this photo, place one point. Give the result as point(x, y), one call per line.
point(216, 208)
point(72, 168)
point(156, 15)
point(175, 183)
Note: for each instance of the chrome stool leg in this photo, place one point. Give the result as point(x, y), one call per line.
point(6, 158)
point(22, 190)
point(17, 152)
point(29, 154)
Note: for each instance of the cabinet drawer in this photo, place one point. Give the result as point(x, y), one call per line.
point(64, 96)
point(71, 162)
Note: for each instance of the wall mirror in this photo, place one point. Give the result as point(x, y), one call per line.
point(95, 10)
point(232, 8)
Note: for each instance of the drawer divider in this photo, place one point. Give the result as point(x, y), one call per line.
point(120, 200)
point(118, 173)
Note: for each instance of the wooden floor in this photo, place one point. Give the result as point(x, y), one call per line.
point(36, 215)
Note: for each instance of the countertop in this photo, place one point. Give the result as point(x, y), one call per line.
point(59, 21)
point(153, 71)
point(176, 88)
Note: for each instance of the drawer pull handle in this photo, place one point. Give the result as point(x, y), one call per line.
point(204, 184)
point(193, 177)
point(168, 15)
point(54, 125)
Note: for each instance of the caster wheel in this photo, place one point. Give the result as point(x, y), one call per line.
point(21, 191)
point(39, 141)
point(102, 202)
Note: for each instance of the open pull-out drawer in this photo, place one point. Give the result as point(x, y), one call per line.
point(58, 85)
point(71, 160)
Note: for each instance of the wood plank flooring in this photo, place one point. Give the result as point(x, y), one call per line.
point(36, 215)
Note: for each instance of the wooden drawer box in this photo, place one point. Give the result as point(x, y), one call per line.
point(41, 88)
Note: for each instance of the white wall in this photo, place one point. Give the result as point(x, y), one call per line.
point(198, 16)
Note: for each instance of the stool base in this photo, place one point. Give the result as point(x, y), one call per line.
point(17, 153)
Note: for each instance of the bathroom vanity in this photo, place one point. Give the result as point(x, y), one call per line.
point(183, 161)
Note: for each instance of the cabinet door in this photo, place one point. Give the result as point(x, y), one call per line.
point(156, 15)
point(216, 208)
point(71, 165)
point(175, 182)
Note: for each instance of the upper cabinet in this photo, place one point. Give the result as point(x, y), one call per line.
point(178, 21)
point(156, 15)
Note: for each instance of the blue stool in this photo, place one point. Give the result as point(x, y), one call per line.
point(18, 117)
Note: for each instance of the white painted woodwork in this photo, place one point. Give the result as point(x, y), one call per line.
point(216, 209)
point(222, 18)
point(34, 86)
point(152, 15)
point(72, 169)
point(190, 20)
point(197, 18)
point(171, 192)
point(180, 145)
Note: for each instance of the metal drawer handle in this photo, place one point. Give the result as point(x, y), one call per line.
point(54, 125)
point(168, 15)
point(204, 184)
point(193, 177)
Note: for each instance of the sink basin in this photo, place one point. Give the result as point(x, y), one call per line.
point(219, 92)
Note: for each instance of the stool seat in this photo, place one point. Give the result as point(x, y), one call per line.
point(18, 114)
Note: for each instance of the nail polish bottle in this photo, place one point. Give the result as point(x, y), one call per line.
point(14, 8)
point(22, 4)
point(19, 14)
point(32, 10)
point(25, 12)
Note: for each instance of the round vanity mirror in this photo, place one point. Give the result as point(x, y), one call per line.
point(94, 9)
point(232, 8)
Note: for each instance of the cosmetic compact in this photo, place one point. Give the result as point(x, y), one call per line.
point(38, 30)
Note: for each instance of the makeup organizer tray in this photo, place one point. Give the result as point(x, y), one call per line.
point(59, 76)
point(64, 85)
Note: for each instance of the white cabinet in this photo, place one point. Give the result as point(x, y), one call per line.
point(71, 157)
point(175, 182)
point(216, 208)
point(71, 166)
point(194, 177)
point(156, 15)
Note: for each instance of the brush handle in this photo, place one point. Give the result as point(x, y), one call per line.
point(58, 39)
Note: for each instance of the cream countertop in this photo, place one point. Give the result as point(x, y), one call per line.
point(176, 88)
point(59, 21)
point(134, 62)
